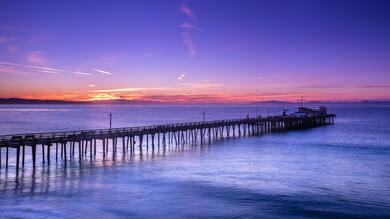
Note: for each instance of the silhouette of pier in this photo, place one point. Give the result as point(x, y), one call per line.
point(83, 144)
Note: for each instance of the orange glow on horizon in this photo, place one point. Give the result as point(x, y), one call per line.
point(176, 97)
point(103, 97)
point(206, 93)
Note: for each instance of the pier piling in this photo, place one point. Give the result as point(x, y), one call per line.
point(176, 135)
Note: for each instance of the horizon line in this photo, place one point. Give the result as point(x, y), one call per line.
point(16, 100)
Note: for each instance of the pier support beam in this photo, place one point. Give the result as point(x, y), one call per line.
point(179, 136)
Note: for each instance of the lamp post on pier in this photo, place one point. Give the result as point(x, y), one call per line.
point(110, 115)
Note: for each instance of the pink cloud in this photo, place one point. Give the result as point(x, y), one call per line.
point(189, 26)
point(187, 39)
point(103, 72)
point(187, 11)
point(82, 73)
point(36, 57)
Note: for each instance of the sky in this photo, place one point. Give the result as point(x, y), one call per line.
point(195, 50)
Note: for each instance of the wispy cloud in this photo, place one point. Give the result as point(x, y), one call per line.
point(187, 28)
point(43, 69)
point(133, 89)
point(4, 69)
point(374, 86)
point(37, 57)
point(187, 11)
point(14, 64)
point(187, 39)
point(33, 67)
point(321, 86)
point(103, 72)
point(47, 71)
point(127, 89)
point(103, 97)
point(82, 73)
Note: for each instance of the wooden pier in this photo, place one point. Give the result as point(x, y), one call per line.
point(83, 144)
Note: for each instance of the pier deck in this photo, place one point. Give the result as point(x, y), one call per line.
point(73, 144)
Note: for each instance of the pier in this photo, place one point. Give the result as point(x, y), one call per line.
point(82, 144)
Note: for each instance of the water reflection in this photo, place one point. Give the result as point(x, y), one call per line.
point(51, 177)
point(340, 171)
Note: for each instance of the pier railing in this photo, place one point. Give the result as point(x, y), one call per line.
point(139, 129)
point(176, 133)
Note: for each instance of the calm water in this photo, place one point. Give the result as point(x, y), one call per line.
point(337, 171)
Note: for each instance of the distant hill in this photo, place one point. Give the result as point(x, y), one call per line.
point(33, 101)
point(374, 102)
point(38, 101)
point(272, 102)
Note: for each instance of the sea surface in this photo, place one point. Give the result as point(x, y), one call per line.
point(334, 171)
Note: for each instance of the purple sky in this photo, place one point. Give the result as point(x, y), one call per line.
point(194, 51)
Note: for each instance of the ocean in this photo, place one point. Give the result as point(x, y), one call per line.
point(335, 171)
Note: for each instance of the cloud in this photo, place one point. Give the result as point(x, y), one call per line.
point(91, 85)
point(321, 86)
point(11, 70)
point(374, 86)
point(33, 67)
point(103, 72)
point(128, 89)
point(82, 73)
point(181, 98)
point(132, 89)
point(103, 97)
point(46, 71)
point(25, 70)
point(187, 11)
point(43, 69)
point(37, 57)
point(189, 26)
point(187, 39)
